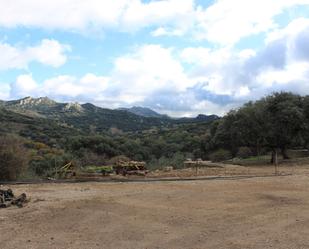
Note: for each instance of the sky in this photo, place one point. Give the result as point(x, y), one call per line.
point(178, 57)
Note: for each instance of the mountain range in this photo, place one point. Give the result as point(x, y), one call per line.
point(144, 112)
point(90, 118)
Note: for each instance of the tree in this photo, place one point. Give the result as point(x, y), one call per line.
point(305, 131)
point(275, 122)
point(13, 158)
point(284, 117)
point(251, 124)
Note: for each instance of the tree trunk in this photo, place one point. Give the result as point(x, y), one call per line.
point(284, 154)
point(274, 156)
point(274, 159)
point(258, 149)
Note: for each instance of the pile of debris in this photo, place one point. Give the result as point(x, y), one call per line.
point(7, 199)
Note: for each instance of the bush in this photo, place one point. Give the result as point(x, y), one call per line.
point(115, 159)
point(244, 152)
point(176, 161)
point(220, 155)
point(87, 157)
point(13, 158)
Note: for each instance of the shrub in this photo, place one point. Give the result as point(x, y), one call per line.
point(220, 155)
point(45, 164)
point(13, 158)
point(176, 161)
point(244, 152)
point(90, 158)
point(115, 159)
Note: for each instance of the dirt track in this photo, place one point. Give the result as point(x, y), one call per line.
point(270, 212)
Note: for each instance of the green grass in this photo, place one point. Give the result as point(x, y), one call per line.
point(97, 169)
point(250, 161)
point(265, 160)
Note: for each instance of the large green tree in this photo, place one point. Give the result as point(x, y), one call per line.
point(275, 122)
point(284, 118)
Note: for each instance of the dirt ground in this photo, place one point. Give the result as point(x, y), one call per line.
point(227, 170)
point(257, 212)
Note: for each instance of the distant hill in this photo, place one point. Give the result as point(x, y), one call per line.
point(144, 112)
point(90, 118)
point(147, 112)
point(35, 128)
point(41, 106)
point(199, 119)
point(82, 116)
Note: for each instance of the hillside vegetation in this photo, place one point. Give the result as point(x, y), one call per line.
point(56, 133)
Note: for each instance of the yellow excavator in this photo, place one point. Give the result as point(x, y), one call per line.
point(66, 171)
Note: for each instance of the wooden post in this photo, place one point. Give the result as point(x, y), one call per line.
point(276, 162)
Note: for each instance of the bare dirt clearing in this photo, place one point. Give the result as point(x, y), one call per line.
point(262, 212)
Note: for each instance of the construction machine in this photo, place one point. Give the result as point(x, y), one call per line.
point(66, 171)
point(130, 168)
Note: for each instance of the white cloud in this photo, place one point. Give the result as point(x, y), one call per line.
point(135, 76)
point(242, 92)
point(293, 28)
point(60, 87)
point(60, 14)
point(47, 52)
point(150, 68)
point(247, 54)
point(294, 64)
point(282, 63)
point(127, 15)
point(161, 31)
point(171, 12)
point(68, 86)
point(72, 87)
point(211, 108)
point(226, 21)
point(24, 86)
point(292, 72)
point(295, 37)
point(206, 56)
point(218, 69)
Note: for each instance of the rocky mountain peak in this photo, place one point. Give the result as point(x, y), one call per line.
point(73, 106)
point(29, 101)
